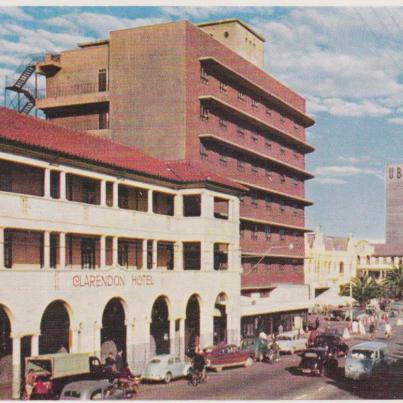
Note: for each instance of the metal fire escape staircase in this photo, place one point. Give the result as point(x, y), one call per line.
point(23, 94)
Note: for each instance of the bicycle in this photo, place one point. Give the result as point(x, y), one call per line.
point(196, 377)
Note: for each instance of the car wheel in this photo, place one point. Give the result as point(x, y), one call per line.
point(168, 377)
point(248, 362)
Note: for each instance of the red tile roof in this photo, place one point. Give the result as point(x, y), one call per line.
point(388, 250)
point(38, 133)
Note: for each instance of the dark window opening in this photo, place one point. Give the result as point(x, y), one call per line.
point(163, 203)
point(102, 81)
point(149, 254)
point(54, 239)
point(109, 194)
point(87, 253)
point(165, 255)
point(54, 184)
point(8, 249)
point(123, 253)
point(103, 120)
point(191, 205)
point(191, 256)
point(83, 190)
point(204, 112)
point(132, 198)
point(221, 208)
point(220, 256)
point(203, 75)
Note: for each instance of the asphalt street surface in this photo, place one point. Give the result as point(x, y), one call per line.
point(282, 380)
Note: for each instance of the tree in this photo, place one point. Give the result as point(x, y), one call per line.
point(364, 288)
point(393, 283)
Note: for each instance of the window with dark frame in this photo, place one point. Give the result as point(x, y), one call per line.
point(55, 184)
point(282, 234)
point(103, 120)
point(203, 75)
point(267, 232)
point(204, 112)
point(53, 250)
point(223, 159)
point(255, 231)
point(203, 151)
point(191, 205)
point(123, 254)
point(240, 164)
point(222, 123)
point(191, 256)
point(253, 198)
point(241, 95)
point(8, 249)
point(87, 253)
point(102, 80)
point(223, 87)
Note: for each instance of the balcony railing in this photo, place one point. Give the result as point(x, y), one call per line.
point(74, 89)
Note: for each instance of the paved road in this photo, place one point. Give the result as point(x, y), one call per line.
point(282, 381)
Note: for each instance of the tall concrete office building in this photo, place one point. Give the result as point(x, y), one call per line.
point(180, 91)
point(394, 203)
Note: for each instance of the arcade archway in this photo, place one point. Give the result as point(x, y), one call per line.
point(6, 348)
point(159, 327)
point(113, 333)
point(220, 319)
point(192, 325)
point(55, 329)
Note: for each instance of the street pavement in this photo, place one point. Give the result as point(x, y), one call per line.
point(282, 381)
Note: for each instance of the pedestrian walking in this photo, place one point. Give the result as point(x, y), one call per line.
point(317, 323)
point(388, 330)
point(372, 330)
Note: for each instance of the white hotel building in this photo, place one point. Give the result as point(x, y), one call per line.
point(99, 242)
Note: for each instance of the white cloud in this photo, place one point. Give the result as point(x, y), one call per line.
point(16, 13)
point(99, 24)
point(396, 121)
point(353, 160)
point(345, 171)
point(333, 58)
point(330, 181)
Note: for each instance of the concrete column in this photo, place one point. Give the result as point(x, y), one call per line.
point(102, 251)
point(62, 250)
point(231, 257)
point(178, 256)
point(178, 205)
point(155, 254)
point(97, 339)
point(16, 360)
point(182, 338)
point(207, 205)
point(115, 199)
point(115, 251)
point(206, 328)
point(207, 256)
point(34, 345)
point(103, 193)
point(1, 248)
point(46, 183)
point(46, 249)
point(150, 201)
point(172, 337)
point(144, 252)
point(62, 190)
point(130, 341)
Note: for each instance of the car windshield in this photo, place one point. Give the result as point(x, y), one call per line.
point(155, 361)
point(362, 354)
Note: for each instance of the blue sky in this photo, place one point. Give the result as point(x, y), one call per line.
point(347, 62)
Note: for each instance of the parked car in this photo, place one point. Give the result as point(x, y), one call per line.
point(91, 390)
point(366, 360)
point(290, 342)
point(165, 367)
point(256, 347)
point(333, 342)
point(317, 361)
point(337, 315)
point(224, 356)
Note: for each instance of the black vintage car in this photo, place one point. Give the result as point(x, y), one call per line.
point(317, 361)
point(333, 343)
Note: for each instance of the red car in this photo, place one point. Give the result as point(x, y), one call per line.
point(228, 355)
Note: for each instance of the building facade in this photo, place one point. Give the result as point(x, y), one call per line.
point(394, 205)
point(180, 91)
point(101, 244)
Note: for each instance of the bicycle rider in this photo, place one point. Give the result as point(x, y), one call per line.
point(199, 365)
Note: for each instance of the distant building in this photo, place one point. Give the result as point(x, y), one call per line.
point(394, 205)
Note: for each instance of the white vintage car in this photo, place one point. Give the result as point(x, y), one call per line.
point(165, 367)
point(290, 342)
